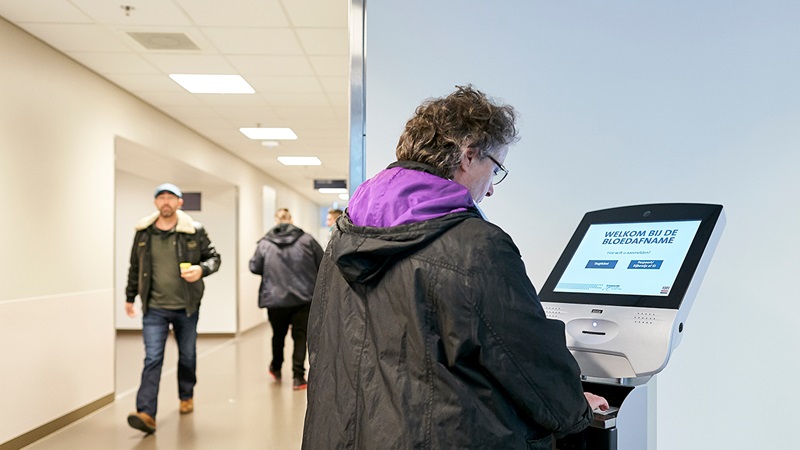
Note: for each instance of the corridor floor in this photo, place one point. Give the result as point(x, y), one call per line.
point(237, 404)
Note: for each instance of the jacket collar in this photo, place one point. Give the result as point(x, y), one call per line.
point(184, 225)
point(406, 192)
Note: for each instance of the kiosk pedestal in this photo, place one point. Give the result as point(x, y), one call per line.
point(623, 287)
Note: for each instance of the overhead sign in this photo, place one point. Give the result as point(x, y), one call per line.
point(330, 184)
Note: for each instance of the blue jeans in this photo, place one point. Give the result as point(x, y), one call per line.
point(155, 329)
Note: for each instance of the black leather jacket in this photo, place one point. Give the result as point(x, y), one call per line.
point(193, 245)
point(431, 335)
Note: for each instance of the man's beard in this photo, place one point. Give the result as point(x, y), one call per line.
point(167, 212)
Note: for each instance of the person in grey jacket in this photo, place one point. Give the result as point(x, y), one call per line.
point(287, 258)
point(425, 330)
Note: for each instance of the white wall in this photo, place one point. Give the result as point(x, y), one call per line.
point(58, 127)
point(631, 102)
point(56, 232)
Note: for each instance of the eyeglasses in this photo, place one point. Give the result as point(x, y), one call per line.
point(500, 174)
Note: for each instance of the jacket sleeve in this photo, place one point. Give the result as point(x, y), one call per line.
point(317, 251)
point(257, 261)
point(209, 258)
point(521, 348)
point(132, 289)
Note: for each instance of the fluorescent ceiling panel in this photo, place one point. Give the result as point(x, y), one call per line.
point(299, 160)
point(332, 190)
point(273, 134)
point(213, 84)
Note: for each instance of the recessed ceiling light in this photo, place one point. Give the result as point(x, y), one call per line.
point(213, 84)
point(269, 133)
point(270, 143)
point(299, 160)
point(332, 190)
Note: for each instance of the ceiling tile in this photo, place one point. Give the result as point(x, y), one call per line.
point(290, 85)
point(317, 13)
point(77, 37)
point(194, 113)
point(144, 12)
point(161, 99)
point(294, 99)
point(235, 13)
point(331, 66)
point(108, 63)
point(190, 63)
point(304, 114)
point(151, 83)
point(248, 116)
point(42, 11)
point(338, 85)
point(272, 65)
point(324, 41)
point(254, 41)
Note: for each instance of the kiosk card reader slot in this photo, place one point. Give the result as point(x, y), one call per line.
point(623, 287)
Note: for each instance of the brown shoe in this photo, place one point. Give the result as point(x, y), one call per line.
point(187, 406)
point(142, 421)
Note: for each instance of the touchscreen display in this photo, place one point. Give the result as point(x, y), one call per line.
point(629, 258)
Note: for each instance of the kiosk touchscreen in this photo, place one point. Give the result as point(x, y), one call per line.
point(626, 281)
point(623, 287)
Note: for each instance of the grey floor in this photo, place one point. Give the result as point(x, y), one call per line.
point(237, 404)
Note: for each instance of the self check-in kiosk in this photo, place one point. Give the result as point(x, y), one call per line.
point(624, 286)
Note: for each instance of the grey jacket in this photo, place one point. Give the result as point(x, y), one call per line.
point(287, 258)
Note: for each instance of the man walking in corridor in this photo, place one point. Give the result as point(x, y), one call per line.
point(170, 256)
point(287, 258)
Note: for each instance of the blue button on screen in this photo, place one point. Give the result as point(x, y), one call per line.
point(645, 264)
point(601, 264)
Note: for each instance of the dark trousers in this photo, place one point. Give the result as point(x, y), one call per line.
point(155, 329)
point(281, 319)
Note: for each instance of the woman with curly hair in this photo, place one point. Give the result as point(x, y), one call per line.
point(425, 330)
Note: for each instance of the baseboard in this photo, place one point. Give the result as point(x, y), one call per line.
point(55, 425)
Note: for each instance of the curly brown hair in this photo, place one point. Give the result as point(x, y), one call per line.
point(466, 118)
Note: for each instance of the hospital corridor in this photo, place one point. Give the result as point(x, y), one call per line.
point(237, 403)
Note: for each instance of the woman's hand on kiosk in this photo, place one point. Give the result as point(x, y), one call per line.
point(596, 402)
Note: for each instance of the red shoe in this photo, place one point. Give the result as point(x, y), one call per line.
point(299, 383)
point(276, 374)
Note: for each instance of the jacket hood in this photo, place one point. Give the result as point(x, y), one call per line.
point(406, 192)
point(283, 234)
point(363, 253)
point(398, 211)
point(185, 222)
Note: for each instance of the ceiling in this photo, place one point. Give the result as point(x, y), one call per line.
point(294, 53)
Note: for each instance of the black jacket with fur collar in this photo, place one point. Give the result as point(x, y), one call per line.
point(193, 245)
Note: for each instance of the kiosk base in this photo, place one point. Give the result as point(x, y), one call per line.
point(631, 427)
point(590, 439)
